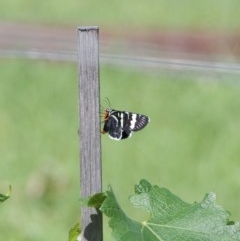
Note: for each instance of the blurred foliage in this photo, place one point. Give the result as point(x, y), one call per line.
point(4, 197)
point(190, 146)
point(174, 14)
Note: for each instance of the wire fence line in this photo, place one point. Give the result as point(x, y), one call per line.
point(140, 62)
point(154, 52)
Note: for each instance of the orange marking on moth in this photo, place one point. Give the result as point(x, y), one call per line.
point(106, 116)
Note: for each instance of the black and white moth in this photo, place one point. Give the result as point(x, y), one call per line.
point(120, 124)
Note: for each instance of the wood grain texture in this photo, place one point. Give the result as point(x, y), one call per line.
point(89, 128)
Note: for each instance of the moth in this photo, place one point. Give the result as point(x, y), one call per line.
point(120, 124)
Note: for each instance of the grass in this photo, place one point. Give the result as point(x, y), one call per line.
point(155, 15)
point(38, 147)
point(190, 146)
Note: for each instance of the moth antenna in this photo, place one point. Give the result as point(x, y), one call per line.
point(107, 102)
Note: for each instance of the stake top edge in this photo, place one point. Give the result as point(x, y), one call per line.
point(87, 28)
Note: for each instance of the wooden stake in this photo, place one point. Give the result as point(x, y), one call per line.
point(89, 129)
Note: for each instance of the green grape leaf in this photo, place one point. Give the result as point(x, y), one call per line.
point(170, 218)
point(123, 227)
point(4, 197)
point(96, 200)
point(74, 232)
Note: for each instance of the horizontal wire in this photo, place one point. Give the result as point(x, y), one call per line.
point(125, 60)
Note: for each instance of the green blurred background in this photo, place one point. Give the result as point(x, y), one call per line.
point(191, 145)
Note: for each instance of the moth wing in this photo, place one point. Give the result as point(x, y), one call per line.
point(126, 134)
point(125, 118)
point(114, 128)
point(138, 122)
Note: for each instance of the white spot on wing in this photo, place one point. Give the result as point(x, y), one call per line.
point(133, 121)
point(121, 118)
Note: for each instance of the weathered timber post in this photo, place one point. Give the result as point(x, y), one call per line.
point(89, 129)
